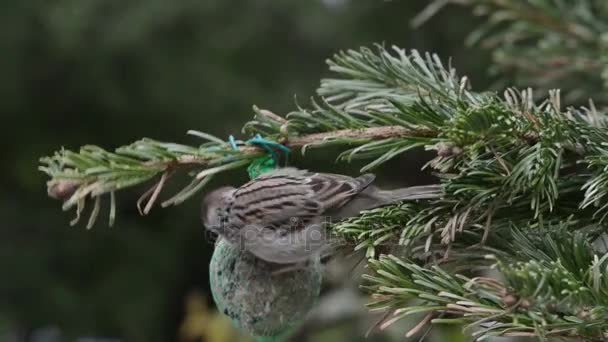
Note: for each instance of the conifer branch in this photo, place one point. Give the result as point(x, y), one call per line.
point(512, 167)
point(93, 172)
point(554, 286)
point(547, 43)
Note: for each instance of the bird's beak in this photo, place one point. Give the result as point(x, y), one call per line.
point(214, 229)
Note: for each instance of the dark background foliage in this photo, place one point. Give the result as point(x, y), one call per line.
point(108, 72)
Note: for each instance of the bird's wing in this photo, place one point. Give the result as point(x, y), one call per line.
point(290, 195)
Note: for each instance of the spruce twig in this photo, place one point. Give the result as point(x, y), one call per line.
point(525, 187)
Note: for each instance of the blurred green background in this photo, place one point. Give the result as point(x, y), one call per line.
point(108, 72)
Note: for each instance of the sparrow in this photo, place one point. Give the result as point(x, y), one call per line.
point(282, 216)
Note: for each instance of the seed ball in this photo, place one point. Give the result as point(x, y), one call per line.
point(256, 295)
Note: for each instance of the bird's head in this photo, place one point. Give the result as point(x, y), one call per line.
point(213, 203)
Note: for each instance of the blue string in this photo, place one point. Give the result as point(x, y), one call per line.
point(267, 145)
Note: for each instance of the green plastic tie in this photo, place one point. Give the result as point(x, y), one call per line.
point(261, 165)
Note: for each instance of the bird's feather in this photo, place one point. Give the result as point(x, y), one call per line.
point(280, 215)
point(290, 196)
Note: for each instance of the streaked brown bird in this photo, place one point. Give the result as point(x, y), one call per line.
point(282, 216)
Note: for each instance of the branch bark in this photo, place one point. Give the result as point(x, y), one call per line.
point(371, 133)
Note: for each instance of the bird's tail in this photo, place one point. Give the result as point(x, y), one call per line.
point(412, 193)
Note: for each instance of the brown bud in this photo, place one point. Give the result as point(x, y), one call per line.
point(530, 137)
point(448, 150)
point(584, 314)
point(444, 150)
point(62, 189)
point(509, 300)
